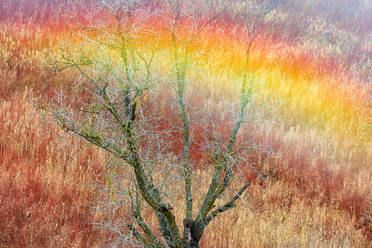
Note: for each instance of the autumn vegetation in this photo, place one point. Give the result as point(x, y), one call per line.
point(310, 162)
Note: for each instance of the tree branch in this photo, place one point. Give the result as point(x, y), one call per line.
point(136, 211)
point(180, 67)
point(229, 205)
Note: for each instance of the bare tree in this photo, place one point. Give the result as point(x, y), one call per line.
point(112, 104)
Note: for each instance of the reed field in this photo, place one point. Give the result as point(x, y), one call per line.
point(311, 185)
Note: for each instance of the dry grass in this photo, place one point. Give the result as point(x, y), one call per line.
point(316, 194)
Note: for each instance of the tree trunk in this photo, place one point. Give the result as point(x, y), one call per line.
point(193, 232)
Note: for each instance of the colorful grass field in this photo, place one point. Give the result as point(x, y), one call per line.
point(314, 74)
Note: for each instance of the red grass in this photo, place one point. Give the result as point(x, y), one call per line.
point(45, 195)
